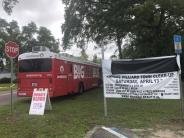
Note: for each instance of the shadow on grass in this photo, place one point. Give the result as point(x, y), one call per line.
point(25, 101)
point(72, 96)
point(58, 99)
point(64, 98)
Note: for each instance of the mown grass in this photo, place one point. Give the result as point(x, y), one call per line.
point(73, 116)
point(6, 86)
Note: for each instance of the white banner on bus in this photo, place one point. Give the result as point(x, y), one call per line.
point(140, 85)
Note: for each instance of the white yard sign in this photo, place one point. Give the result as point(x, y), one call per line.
point(140, 85)
point(39, 100)
point(143, 86)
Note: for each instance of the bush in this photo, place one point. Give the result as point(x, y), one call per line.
point(5, 80)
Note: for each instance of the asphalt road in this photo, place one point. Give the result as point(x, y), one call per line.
point(5, 98)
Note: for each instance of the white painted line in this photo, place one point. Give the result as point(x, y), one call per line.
point(114, 132)
point(6, 94)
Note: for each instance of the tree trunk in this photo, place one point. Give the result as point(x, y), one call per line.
point(119, 42)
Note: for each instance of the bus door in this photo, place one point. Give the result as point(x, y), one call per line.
point(61, 79)
point(70, 77)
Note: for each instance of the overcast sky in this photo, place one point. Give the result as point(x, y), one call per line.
point(48, 13)
point(43, 12)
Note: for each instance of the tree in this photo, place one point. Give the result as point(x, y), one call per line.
point(153, 26)
point(8, 5)
point(32, 36)
point(83, 54)
point(96, 20)
point(96, 59)
point(150, 24)
point(13, 31)
point(8, 32)
point(45, 38)
point(28, 37)
point(1, 65)
point(3, 36)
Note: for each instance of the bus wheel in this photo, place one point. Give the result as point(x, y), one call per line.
point(81, 88)
point(99, 83)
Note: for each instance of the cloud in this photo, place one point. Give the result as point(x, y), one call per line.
point(43, 12)
point(48, 13)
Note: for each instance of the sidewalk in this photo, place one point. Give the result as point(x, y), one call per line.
point(105, 132)
point(6, 96)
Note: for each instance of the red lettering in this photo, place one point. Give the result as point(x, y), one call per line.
point(38, 98)
point(39, 94)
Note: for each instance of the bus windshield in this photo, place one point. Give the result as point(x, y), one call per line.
point(35, 65)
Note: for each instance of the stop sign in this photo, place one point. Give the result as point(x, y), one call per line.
point(11, 49)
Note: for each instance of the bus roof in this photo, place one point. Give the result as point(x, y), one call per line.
point(61, 56)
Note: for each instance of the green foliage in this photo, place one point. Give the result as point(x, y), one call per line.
point(4, 35)
point(83, 54)
point(149, 24)
point(32, 36)
point(154, 24)
point(1, 65)
point(28, 37)
point(8, 32)
point(8, 5)
point(96, 59)
point(95, 20)
point(45, 38)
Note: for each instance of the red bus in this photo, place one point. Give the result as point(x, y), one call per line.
point(62, 74)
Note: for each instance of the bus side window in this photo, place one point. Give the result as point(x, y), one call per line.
point(88, 72)
point(70, 68)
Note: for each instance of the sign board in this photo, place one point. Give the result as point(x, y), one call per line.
point(141, 79)
point(40, 99)
point(177, 44)
point(11, 49)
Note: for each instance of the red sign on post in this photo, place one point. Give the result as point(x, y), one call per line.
point(11, 49)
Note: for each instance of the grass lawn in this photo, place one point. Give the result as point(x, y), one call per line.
point(6, 87)
point(73, 116)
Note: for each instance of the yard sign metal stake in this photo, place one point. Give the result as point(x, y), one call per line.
point(181, 94)
point(178, 51)
point(11, 87)
point(105, 100)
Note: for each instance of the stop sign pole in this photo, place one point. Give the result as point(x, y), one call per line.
point(12, 51)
